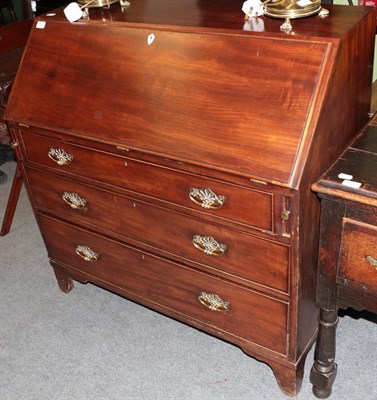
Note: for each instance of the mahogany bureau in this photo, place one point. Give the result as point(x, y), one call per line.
point(347, 269)
point(168, 151)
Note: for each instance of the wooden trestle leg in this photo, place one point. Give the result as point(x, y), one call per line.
point(323, 372)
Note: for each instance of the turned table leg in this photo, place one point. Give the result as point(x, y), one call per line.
point(323, 372)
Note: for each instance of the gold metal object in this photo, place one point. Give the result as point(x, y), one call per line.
point(286, 26)
point(86, 253)
point(258, 181)
point(60, 156)
point(206, 198)
point(372, 261)
point(13, 145)
point(102, 3)
point(213, 302)
point(86, 4)
point(74, 200)
point(292, 8)
point(285, 215)
point(209, 245)
point(122, 148)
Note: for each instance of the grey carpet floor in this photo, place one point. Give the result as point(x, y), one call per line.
point(94, 345)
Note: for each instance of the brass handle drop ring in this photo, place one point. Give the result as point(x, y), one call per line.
point(208, 245)
point(213, 302)
point(206, 198)
point(86, 253)
point(74, 200)
point(60, 156)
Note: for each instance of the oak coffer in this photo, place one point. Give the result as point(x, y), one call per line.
point(168, 151)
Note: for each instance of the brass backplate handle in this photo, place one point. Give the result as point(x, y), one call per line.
point(86, 253)
point(208, 245)
point(74, 200)
point(60, 156)
point(206, 198)
point(213, 302)
point(372, 261)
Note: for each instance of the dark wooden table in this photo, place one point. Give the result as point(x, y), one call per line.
point(347, 270)
point(12, 41)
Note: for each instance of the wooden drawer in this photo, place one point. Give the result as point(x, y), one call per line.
point(262, 261)
point(242, 205)
point(358, 254)
point(171, 285)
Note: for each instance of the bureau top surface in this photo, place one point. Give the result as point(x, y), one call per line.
point(222, 15)
point(186, 80)
point(354, 175)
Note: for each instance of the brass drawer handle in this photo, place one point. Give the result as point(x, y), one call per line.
point(87, 253)
point(74, 200)
point(209, 245)
point(206, 198)
point(213, 302)
point(60, 156)
point(372, 261)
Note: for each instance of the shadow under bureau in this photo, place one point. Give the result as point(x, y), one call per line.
point(168, 152)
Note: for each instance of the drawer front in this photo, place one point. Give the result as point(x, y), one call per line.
point(219, 199)
point(226, 307)
point(264, 262)
point(358, 254)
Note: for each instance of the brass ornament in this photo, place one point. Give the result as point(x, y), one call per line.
point(208, 245)
point(292, 9)
point(60, 156)
point(87, 253)
point(213, 302)
point(206, 198)
point(74, 200)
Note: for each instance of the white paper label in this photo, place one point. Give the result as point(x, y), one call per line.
point(40, 24)
point(351, 184)
point(345, 176)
